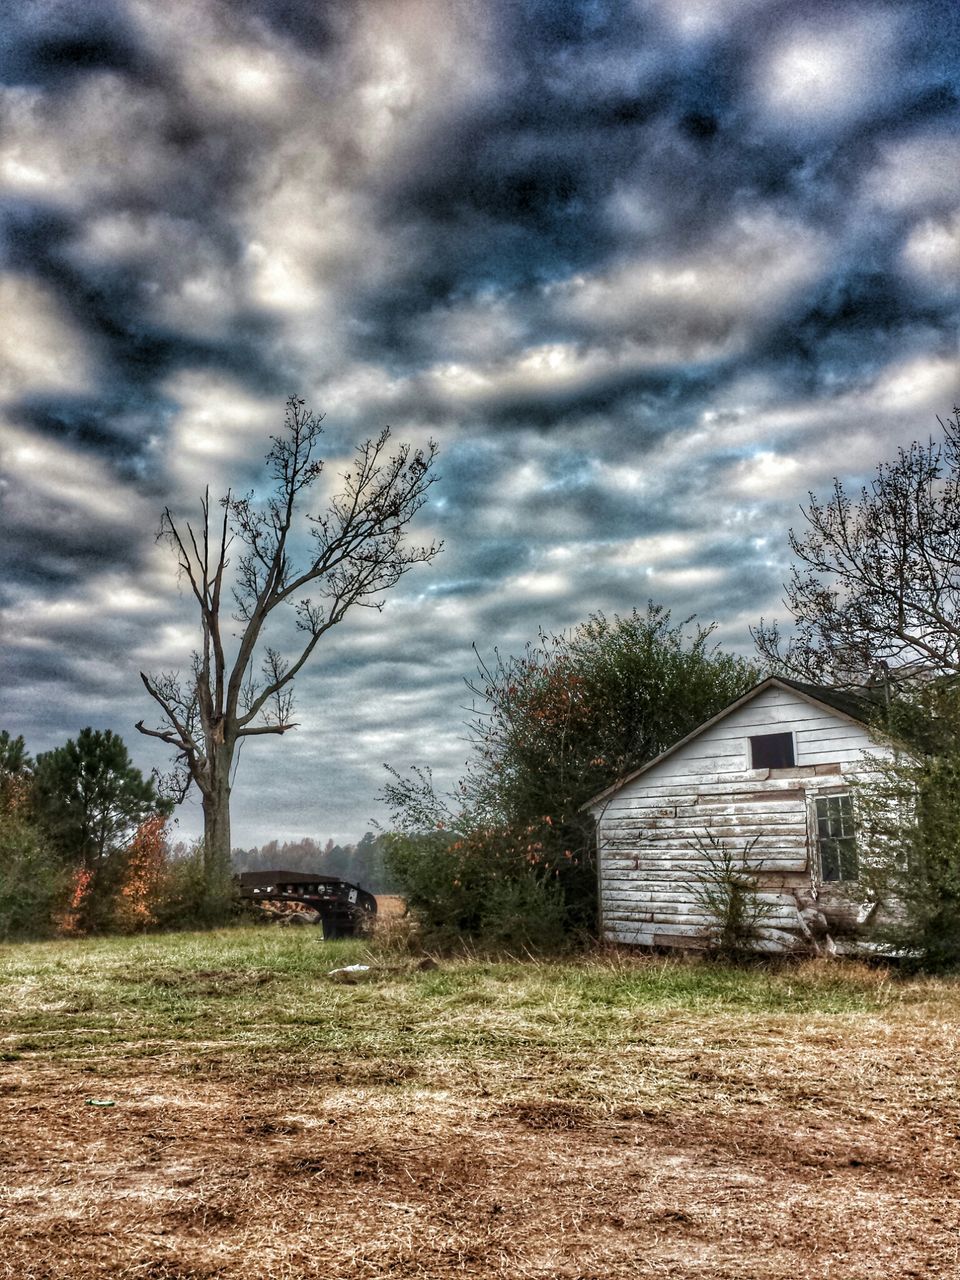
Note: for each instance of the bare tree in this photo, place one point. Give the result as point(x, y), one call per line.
point(876, 586)
point(239, 686)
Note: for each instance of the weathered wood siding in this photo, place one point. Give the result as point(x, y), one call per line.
point(647, 831)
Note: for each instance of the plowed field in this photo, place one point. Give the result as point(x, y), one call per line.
point(178, 1109)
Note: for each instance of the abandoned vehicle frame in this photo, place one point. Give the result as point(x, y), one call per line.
point(343, 909)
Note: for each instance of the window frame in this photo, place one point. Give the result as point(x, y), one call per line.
point(780, 733)
point(845, 853)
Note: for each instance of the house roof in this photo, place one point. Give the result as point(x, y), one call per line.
point(856, 706)
point(851, 706)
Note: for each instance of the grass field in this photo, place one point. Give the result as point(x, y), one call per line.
point(199, 1106)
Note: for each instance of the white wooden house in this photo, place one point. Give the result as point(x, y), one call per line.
point(773, 770)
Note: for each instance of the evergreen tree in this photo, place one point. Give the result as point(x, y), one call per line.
point(90, 798)
point(89, 801)
point(34, 884)
point(14, 761)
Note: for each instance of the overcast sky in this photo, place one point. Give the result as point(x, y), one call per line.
point(648, 272)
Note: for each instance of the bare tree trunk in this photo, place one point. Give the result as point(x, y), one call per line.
point(216, 822)
point(358, 551)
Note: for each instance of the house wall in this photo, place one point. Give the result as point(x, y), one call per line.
point(647, 831)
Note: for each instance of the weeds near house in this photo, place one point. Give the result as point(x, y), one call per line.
point(725, 886)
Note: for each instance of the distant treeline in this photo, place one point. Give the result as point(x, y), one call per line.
point(361, 863)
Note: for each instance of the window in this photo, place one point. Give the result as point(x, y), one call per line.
point(772, 751)
point(836, 838)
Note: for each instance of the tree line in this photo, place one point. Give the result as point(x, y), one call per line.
point(873, 599)
point(82, 838)
point(363, 863)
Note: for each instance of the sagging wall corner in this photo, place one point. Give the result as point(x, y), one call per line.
point(772, 771)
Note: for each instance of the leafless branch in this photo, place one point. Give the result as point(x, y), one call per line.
point(876, 580)
point(358, 551)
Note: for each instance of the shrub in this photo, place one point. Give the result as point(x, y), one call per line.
point(185, 898)
point(141, 876)
point(34, 884)
point(493, 885)
point(909, 818)
point(725, 886)
point(445, 881)
point(526, 914)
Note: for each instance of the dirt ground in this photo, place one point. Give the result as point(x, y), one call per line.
point(833, 1156)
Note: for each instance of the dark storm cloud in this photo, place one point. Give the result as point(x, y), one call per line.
point(638, 266)
point(851, 328)
point(318, 28)
point(113, 304)
point(88, 421)
point(565, 485)
point(196, 169)
point(639, 399)
point(30, 666)
point(46, 549)
point(45, 44)
point(514, 193)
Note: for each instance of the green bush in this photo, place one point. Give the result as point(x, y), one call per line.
point(527, 914)
point(490, 886)
point(186, 900)
point(34, 884)
point(908, 817)
point(444, 881)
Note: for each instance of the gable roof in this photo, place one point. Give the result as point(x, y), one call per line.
point(850, 706)
point(855, 706)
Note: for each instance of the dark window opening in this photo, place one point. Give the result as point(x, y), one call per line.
point(772, 751)
point(836, 838)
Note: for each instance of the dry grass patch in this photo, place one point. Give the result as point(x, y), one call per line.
point(390, 906)
point(616, 1117)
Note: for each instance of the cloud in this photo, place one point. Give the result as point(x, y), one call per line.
point(647, 271)
point(218, 434)
point(707, 19)
point(931, 253)
point(693, 306)
point(828, 70)
point(40, 350)
point(47, 44)
point(920, 173)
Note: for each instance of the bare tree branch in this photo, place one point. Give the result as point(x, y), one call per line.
point(254, 730)
point(359, 551)
point(876, 583)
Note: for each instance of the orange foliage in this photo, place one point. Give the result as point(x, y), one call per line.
point(14, 793)
point(146, 862)
point(68, 920)
point(81, 883)
point(136, 896)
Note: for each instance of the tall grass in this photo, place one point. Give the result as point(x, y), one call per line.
point(258, 991)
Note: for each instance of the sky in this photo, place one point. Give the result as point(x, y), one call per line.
point(648, 272)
